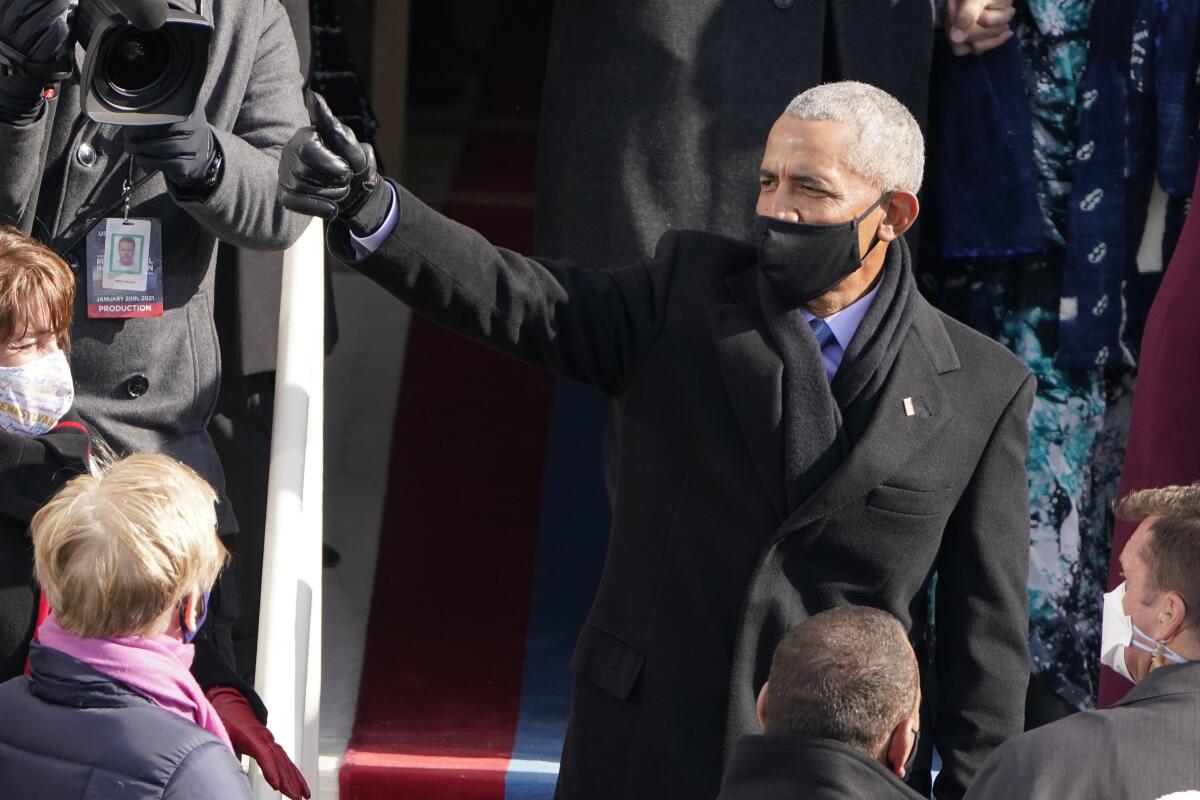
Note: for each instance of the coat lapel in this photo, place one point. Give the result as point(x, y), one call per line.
point(893, 435)
point(753, 376)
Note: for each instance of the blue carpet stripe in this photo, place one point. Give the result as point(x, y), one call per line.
point(572, 538)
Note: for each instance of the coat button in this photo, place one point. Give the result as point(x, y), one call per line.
point(86, 155)
point(137, 386)
point(784, 5)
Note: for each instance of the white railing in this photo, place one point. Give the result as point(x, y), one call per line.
point(288, 673)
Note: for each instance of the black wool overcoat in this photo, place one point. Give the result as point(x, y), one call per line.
point(706, 568)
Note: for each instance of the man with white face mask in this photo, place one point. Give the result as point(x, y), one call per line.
point(1147, 744)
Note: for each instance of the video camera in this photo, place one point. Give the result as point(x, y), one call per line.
point(144, 61)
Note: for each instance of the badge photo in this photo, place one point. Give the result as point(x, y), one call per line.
point(126, 255)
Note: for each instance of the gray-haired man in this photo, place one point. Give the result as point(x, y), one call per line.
point(839, 714)
point(799, 430)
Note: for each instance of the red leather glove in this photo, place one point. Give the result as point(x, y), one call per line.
point(250, 737)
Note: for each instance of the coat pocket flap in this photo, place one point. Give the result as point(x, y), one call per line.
point(607, 661)
point(914, 502)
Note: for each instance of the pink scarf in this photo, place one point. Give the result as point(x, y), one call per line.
point(155, 667)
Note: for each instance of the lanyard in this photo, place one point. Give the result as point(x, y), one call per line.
point(128, 187)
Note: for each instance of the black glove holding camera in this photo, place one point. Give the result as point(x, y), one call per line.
point(324, 171)
point(186, 153)
point(38, 31)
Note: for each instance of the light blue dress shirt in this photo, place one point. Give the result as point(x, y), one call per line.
point(369, 244)
point(843, 324)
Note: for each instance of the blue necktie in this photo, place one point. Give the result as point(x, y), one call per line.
point(823, 332)
point(825, 338)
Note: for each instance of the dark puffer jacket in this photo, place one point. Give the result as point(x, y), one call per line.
point(68, 732)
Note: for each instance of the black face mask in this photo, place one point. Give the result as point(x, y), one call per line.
point(803, 261)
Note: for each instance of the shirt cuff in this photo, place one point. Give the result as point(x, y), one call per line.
point(369, 244)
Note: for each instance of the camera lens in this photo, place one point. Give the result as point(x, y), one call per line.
point(139, 70)
point(137, 61)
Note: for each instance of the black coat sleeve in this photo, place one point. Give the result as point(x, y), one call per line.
point(33, 468)
point(593, 326)
point(982, 615)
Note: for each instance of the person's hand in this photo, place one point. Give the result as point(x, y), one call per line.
point(324, 171)
point(183, 151)
point(976, 26)
point(37, 29)
point(251, 738)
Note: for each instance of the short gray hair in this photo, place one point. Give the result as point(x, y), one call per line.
point(848, 674)
point(889, 150)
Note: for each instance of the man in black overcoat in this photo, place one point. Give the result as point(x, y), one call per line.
point(798, 430)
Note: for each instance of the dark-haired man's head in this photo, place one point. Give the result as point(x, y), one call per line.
point(849, 675)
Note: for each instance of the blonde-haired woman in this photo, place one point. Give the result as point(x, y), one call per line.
point(109, 708)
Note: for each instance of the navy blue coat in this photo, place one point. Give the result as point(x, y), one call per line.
point(68, 732)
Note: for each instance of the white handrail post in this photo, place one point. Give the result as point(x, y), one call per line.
point(313, 561)
point(288, 672)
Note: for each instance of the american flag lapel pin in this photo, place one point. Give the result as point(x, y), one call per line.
point(909, 410)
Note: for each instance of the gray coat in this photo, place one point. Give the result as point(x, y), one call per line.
point(249, 282)
point(679, 638)
point(1143, 747)
point(151, 384)
point(655, 113)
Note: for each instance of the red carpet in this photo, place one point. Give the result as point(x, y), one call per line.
point(441, 682)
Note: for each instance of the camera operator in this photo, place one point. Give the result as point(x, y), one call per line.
point(149, 384)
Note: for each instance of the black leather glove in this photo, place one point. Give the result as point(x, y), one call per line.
point(37, 29)
point(186, 152)
point(326, 172)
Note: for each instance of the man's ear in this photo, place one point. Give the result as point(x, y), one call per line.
point(1172, 619)
point(761, 707)
point(191, 610)
point(901, 745)
point(900, 212)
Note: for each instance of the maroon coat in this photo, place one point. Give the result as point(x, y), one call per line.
point(1164, 441)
